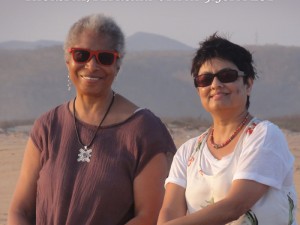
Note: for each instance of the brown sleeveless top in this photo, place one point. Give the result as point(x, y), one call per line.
point(101, 191)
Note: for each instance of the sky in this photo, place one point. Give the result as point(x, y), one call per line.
point(188, 21)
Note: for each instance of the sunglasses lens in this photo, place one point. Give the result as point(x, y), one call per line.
point(106, 58)
point(204, 80)
point(84, 55)
point(227, 76)
point(80, 56)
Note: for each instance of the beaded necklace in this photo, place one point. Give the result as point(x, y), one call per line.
point(217, 146)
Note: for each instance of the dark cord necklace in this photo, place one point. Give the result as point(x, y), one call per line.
point(85, 152)
point(217, 146)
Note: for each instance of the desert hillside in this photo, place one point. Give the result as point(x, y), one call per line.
point(35, 80)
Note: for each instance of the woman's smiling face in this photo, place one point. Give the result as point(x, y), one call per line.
point(223, 96)
point(91, 78)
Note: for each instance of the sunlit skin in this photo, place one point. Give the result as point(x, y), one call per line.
point(91, 78)
point(93, 82)
point(226, 103)
point(223, 98)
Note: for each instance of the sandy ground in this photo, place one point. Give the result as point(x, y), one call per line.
point(12, 144)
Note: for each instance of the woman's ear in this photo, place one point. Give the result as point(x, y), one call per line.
point(249, 85)
point(67, 59)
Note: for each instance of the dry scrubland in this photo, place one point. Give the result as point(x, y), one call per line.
point(13, 141)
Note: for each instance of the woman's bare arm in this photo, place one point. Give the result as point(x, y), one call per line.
point(149, 191)
point(241, 197)
point(22, 208)
point(174, 205)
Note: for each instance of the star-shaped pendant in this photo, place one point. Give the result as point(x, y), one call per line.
point(85, 154)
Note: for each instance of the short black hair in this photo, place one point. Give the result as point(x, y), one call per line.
point(219, 47)
point(216, 46)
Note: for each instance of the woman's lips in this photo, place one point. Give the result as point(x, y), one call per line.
point(91, 78)
point(218, 95)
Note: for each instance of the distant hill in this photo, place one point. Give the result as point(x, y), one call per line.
point(137, 42)
point(32, 82)
point(142, 41)
point(28, 44)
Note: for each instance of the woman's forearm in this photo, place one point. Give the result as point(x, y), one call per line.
point(216, 214)
point(138, 220)
point(168, 215)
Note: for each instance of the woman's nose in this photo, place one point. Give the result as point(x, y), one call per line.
point(93, 64)
point(216, 83)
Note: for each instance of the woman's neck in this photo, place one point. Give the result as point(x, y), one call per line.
point(92, 109)
point(226, 125)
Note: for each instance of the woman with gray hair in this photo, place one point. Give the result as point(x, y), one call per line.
point(99, 158)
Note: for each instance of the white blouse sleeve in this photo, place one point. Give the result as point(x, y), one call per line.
point(265, 157)
point(179, 165)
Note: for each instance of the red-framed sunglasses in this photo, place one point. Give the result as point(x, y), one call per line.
point(103, 57)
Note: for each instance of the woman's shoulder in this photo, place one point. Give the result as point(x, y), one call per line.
point(56, 112)
point(129, 113)
point(50, 120)
point(263, 127)
point(190, 146)
point(144, 118)
point(265, 135)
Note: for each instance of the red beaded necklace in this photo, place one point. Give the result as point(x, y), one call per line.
point(217, 146)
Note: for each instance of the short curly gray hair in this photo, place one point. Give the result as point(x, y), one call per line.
point(100, 24)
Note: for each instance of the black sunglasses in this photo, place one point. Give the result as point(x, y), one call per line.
point(224, 75)
point(103, 57)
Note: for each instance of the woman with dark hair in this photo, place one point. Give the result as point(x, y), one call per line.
point(240, 170)
point(98, 159)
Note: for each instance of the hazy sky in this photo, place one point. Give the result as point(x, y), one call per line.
point(188, 21)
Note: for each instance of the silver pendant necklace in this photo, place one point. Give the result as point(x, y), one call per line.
point(85, 152)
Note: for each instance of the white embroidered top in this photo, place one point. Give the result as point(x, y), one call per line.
point(261, 154)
